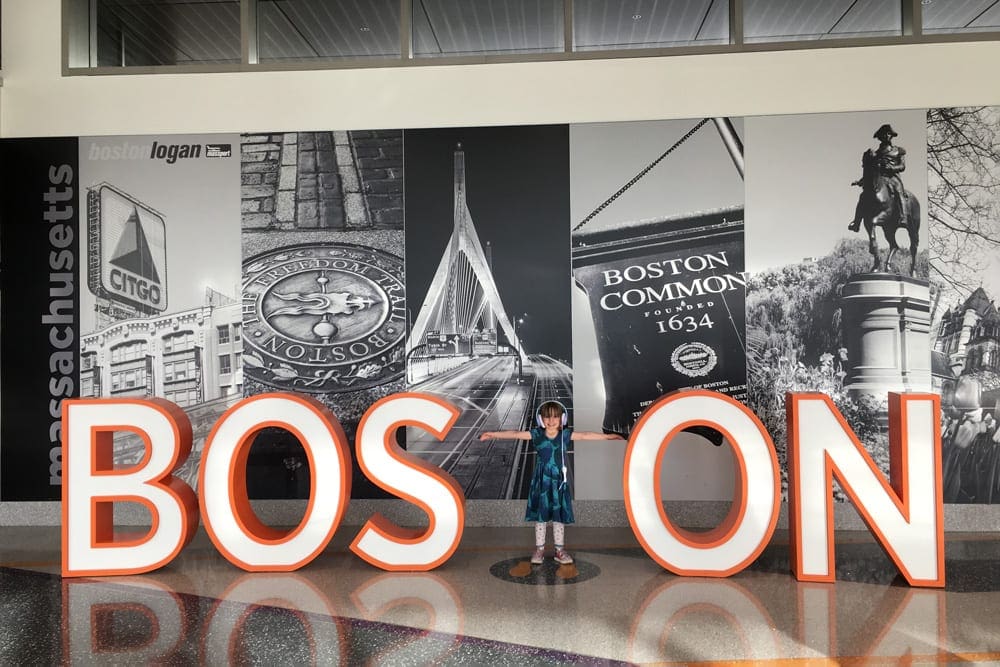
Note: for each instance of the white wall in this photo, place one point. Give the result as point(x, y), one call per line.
point(38, 101)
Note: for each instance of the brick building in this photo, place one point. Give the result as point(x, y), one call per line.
point(188, 357)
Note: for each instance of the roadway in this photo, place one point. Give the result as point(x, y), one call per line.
point(492, 398)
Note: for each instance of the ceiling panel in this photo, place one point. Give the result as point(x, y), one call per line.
point(609, 24)
point(869, 19)
point(168, 32)
point(776, 20)
point(716, 24)
point(179, 32)
point(988, 20)
point(792, 20)
point(960, 15)
point(473, 27)
point(304, 29)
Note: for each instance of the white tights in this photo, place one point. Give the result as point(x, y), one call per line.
point(558, 534)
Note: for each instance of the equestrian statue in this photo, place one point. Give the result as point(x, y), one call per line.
point(884, 202)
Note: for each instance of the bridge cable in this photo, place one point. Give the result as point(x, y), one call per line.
point(642, 173)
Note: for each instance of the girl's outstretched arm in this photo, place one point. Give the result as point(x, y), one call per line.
point(590, 435)
point(507, 435)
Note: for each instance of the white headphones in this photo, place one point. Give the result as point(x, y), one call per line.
point(538, 414)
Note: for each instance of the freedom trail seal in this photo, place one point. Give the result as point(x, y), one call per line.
point(324, 318)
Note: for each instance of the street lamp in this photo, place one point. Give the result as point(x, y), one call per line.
point(518, 347)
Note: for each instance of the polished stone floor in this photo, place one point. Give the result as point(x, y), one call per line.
point(488, 606)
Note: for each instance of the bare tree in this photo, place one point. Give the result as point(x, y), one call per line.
point(963, 194)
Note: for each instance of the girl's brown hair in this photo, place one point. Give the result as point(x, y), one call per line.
point(551, 409)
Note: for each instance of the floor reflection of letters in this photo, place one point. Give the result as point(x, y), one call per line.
point(167, 620)
point(224, 640)
point(331, 614)
point(428, 602)
point(731, 617)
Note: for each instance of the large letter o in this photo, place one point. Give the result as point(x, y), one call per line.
point(743, 534)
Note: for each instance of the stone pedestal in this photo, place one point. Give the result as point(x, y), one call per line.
point(886, 320)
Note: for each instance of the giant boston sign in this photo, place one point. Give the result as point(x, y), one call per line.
point(904, 514)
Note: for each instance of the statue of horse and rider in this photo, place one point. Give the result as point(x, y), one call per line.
point(884, 202)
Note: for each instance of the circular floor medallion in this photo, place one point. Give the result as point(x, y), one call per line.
point(548, 573)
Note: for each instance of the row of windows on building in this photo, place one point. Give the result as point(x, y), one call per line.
point(184, 365)
point(173, 371)
point(172, 343)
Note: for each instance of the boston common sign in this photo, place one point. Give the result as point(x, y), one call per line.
point(904, 513)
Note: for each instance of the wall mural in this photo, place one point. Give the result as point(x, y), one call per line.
point(487, 215)
point(822, 313)
point(159, 306)
point(324, 302)
point(601, 265)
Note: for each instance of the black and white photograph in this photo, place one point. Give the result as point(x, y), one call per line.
point(488, 274)
point(658, 302)
point(963, 193)
point(40, 310)
point(160, 314)
point(324, 298)
point(838, 298)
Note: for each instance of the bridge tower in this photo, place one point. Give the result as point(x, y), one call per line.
point(462, 296)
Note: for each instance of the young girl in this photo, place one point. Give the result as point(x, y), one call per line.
point(549, 496)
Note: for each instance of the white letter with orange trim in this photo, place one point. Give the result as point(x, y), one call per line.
point(906, 519)
point(744, 533)
point(231, 523)
point(380, 542)
point(91, 486)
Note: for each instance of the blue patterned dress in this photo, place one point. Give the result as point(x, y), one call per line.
point(548, 498)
